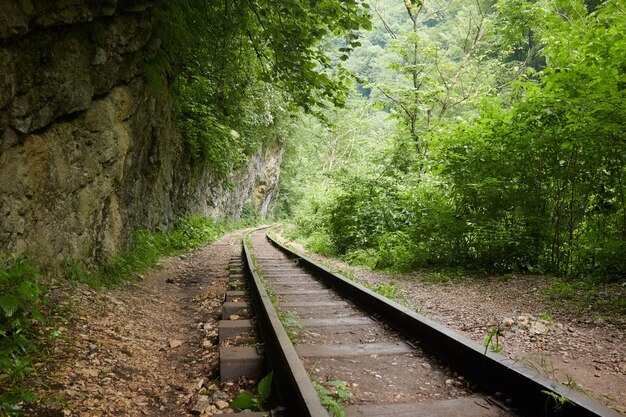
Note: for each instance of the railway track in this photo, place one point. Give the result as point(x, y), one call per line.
point(323, 330)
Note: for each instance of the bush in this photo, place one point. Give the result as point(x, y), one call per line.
point(22, 297)
point(148, 247)
point(397, 251)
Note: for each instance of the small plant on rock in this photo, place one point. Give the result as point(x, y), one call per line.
point(546, 317)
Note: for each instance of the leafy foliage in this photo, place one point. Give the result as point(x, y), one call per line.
point(492, 340)
point(508, 152)
point(22, 296)
point(254, 402)
point(237, 68)
point(545, 163)
point(333, 394)
point(390, 290)
point(558, 401)
point(291, 322)
point(148, 247)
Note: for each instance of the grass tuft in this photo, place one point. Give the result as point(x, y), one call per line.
point(148, 247)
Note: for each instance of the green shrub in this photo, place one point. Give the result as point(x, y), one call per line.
point(397, 251)
point(364, 257)
point(22, 295)
point(249, 213)
point(319, 242)
point(193, 231)
point(148, 247)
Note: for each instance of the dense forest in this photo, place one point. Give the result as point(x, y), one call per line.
point(484, 135)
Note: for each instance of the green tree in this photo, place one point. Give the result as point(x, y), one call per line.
point(526, 172)
point(440, 59)
point(547, 160)
point(239, 68)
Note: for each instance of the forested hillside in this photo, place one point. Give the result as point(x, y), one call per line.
point(487, 135)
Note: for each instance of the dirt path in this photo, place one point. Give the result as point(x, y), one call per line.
point(147, 349)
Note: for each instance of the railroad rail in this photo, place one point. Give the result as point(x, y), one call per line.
point(396, 361)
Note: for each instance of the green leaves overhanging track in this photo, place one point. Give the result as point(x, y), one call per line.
point(240, 69)
point(277, 42)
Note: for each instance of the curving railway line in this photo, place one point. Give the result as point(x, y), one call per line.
point(391, 360)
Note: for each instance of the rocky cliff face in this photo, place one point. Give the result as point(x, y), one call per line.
point(87, 153)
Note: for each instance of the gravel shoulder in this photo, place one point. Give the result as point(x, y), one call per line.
point(565, 341)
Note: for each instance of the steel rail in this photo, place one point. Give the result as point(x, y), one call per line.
point(295, 387)
point(491, 371)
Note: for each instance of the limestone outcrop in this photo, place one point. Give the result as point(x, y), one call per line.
point(87, 153)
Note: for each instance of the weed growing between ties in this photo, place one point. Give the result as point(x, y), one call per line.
point(291, 322)
point(248, 401)
point(148, 247)
point(23, 331)
point(555, 401)
point(333, 395)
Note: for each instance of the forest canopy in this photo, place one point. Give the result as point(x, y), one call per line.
point(481, 134)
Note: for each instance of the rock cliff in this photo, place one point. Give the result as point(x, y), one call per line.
point(87, 152)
